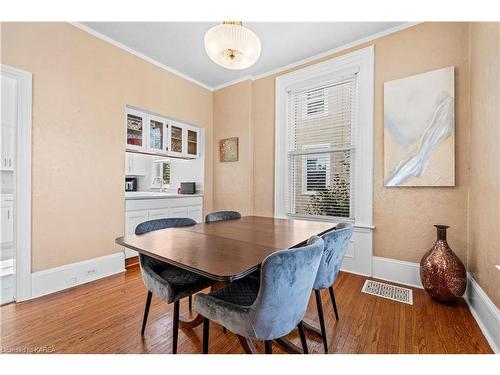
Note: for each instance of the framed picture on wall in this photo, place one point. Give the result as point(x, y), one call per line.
point(228, 149)
point(419, 130)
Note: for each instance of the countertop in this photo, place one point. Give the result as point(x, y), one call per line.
point(156, 195)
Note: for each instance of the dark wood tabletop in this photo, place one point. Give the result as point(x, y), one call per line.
point(224, 250)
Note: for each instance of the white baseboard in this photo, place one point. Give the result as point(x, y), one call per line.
point(397, 271)
point(484, 311)
point(63, 277)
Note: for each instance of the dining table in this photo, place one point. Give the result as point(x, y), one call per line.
point(225, 251)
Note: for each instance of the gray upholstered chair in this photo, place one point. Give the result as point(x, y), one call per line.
point(336, 244)
point(166, 281)
point(222, 215)
point(270, 307)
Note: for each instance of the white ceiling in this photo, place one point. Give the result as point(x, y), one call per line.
point(179, 45)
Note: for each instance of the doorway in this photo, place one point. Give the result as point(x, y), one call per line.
point(15, 185)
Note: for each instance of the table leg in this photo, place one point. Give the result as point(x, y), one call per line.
point(247, 345)
point(288, 346)
point(312, 329)
point(195, 321)
point(190, 323)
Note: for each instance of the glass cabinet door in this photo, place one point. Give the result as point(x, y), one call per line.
point(135, 129)
point(157, 134)
point(192, 142)
point(176, 139)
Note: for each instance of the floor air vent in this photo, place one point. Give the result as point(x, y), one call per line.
point(396, 293)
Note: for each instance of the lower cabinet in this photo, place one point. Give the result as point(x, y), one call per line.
point(7, 218)
point(179, 212)
point(132, 220)
point(160, 213)
point(140, 210)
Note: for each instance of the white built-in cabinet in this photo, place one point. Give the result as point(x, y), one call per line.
point(135, 165)
point(161, 136)
point(7, 217)
point(140, 210)
point(7, 148)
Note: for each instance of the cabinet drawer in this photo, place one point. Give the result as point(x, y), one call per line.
point(161, 213)
point(179, 212)
point(196, 213)
point(185, 202)
point(146, 204)
point(7, 200)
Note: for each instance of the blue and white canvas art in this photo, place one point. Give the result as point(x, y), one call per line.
point(419, 130)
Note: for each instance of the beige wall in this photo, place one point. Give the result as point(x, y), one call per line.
point(484, 197)
point(233, 181)
point(403, 216)
point(80, 88)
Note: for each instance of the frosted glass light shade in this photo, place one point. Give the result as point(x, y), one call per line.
point(232, 46)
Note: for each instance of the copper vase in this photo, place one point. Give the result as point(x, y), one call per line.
point(441, 271)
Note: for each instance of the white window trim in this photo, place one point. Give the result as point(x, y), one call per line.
point(361, 61)
point(304, 167)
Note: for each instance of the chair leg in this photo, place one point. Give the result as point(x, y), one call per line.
point(190, 303)
point(319, 304)
point(146, 312)
point(332, 297)
point(175, 334)
point(303, 338)
point(206, 324)
point(269, 346)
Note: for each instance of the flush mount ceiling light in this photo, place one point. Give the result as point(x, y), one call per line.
point(232, 46)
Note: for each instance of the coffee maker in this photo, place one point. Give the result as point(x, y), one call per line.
point(130, 184)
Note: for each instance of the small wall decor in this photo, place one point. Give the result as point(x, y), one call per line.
point(228, 149)
point(419, 130)
point(441, 271)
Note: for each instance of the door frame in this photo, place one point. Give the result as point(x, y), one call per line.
point(22, 179)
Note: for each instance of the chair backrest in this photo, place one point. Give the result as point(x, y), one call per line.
point(148, 262)
point(222, 215)
point(336, 244)
point(287, 277)
point(157, 224)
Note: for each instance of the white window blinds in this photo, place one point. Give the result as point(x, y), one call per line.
point(321, 156)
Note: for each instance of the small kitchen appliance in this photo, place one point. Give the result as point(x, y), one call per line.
point(130, 184)
point(188, 187)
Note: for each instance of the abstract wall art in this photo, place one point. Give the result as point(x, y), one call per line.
point(228, 149)
point(419, 130)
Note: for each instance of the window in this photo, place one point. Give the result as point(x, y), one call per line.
point(160, 173)
point(320, 173)
point(165, 173)
point(315, 104)
point(324, 140)
point(315, 171)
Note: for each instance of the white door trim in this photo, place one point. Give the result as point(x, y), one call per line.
point(22, 175)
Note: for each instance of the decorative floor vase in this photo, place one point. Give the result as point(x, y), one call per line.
point(441, 271)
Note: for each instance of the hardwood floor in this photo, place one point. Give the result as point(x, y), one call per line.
point(105, 317)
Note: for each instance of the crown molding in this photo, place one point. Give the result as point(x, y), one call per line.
point(138, 54)
point(333, 51)
point(233, 82)
point(321, 55)
point(247, 77)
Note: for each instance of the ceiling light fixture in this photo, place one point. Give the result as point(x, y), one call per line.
point(232, 46)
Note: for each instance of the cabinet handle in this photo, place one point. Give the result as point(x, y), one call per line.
point(10, 162)
point(8, 214)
